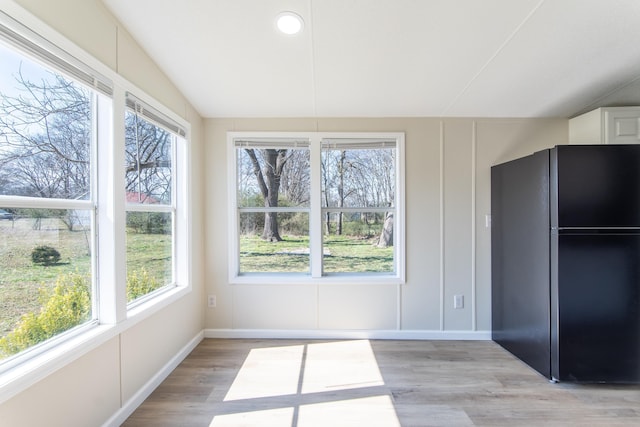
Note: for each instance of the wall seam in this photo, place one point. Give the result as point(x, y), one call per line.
point(399, 307)
point(442, 245)
point(314, 100)
point(120, 369)
point(474, 154)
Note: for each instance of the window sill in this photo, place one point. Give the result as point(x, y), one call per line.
point(145, 309)
point(303, 279)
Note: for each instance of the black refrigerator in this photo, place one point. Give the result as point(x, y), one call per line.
point(565, 255)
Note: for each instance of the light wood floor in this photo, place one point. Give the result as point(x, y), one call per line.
point(373, 383)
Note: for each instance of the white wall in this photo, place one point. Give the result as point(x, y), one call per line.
point(448, 246)
point(90, 390)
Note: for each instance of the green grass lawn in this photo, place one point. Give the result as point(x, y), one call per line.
point(151, 252)
point(342, 254)
point(20, 279)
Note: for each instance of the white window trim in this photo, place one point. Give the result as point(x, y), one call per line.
point(180, 208)
point(113, 315)
point(178, 155)
point(315, 213)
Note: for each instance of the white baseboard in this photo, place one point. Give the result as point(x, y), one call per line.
point(136, 400)
point(348, 334)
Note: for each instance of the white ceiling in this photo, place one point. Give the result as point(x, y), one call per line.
point(385, 58)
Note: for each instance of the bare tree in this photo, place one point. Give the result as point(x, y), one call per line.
point(326, 183)
point(341, 193)
point(269, 177)
point(45, 138)
point(45, 144)
point(148, 160)
point(295, 179)
point(336, 187)
point(386, 235)
point(360, 178)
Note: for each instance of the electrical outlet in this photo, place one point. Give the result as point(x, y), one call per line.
point(458, 301)
point(211, 301)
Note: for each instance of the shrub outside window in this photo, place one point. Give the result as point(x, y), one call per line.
point(317, 207)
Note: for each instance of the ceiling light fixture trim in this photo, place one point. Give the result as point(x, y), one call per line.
point(289, 23)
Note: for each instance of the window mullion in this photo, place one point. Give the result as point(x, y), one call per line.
point(315, 216)
point(232, 200)
point(111, 207)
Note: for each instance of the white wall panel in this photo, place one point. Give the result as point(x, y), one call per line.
point(274, 306)
point(358, 306)
point(84, 393)
point(458, 215)
point(447, 246)
point(420, 308)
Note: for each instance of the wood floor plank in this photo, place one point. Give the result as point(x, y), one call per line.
point(229, 383)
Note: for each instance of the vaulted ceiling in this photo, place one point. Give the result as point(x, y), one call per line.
point(387, 58)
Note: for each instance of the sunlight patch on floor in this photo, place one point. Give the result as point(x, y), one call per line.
point(367, 411)
point(268, 372)
point(340, 366)
point(317, 371)
point(282, 417)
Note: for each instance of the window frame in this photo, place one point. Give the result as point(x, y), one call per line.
point(177, 134)
point(29, 45)
point(316, 210)
point(111, 312)
point(180, 207)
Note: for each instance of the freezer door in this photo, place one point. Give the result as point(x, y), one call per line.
point(597, 185)
point(596, 298)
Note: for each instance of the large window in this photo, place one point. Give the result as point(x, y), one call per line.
point(150, 152)
point(93, 201)
point(315, 206)
point(47, 190)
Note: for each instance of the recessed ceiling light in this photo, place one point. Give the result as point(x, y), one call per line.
point(289, 23)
